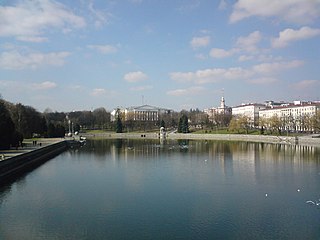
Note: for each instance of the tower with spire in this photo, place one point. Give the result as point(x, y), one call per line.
point(221, 110)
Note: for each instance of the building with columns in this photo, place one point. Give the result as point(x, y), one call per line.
point(140, 113)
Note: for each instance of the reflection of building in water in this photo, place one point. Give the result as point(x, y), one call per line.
point(138, 149)
point(222, 152)
point(244, 158)
point(250, 158)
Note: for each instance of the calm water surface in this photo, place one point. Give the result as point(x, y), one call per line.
point(143, 189)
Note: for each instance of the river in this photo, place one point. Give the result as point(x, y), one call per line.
point(147, 189)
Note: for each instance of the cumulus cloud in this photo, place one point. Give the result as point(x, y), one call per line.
point(98, 92)
point(292, 11)
point(182, 76)
point(44, 85)
point(306, 84)
point(249, 43)
point(257, 74)
point(223, 5)
point(244, 58)
point(141, 88)
point(15, 60)
point(198, 42)
point(222, 53)
point(135, 77)
point(104, 49)
point(274, 67)
point(262, 80)
point(211, 75)
point(290, 35)
point(186, 91)
point(28, 20)
point(246, 44)
point(101, 17)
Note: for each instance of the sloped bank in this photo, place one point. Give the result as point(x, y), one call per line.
point(12, 167)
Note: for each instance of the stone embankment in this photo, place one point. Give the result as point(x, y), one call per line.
point(305, 140)
point(29, 157)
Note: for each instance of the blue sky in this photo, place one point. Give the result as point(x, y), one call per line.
point(178, 54)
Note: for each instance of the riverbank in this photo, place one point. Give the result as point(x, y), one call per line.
point(301, 140)
point(15, 162)
point(28, 146)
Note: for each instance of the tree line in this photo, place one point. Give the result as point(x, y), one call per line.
point(18, 122)
point(277, 125)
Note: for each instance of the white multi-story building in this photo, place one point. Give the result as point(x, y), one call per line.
point(140, 113)
point(250, 110)
point(293, 116)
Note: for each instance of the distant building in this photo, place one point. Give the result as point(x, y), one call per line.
point(294, 115)
point(140, 113)
point(272, 104)
point(250, 110)
point(222, 109)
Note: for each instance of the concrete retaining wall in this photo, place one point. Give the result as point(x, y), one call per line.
point(13, 166)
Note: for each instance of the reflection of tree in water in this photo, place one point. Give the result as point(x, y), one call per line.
point(244, 151)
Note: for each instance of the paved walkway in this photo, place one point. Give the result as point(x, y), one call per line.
point(28, 145)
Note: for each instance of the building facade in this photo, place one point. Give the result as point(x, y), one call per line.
point(251, 111)
point(140, 113)
point(294, 117)
point(221, 110)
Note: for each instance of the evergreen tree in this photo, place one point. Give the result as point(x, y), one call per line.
point(118, 125)
point(183, 126)
point(162, 124)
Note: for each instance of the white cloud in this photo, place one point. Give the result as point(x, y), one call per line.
point(135, 76)
point(198, 42)
point(263, 80)
point(221, 53)
point(141, 88)
point(44, 85)
point(32, 39)
point(211, 75)
point(259, 73)
point(243, 44)
point(223, 5)
point(249, 42)
point(186, 91)
point(182, 76)
point(105, 49)
point(292, 11)
point(28, 20)
point(101, 17)
point(306, 84)
point(98, 92)
point(201, 56)
point(15, 60)
point(244, 58)
point(289, 35)
point(274, 67)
